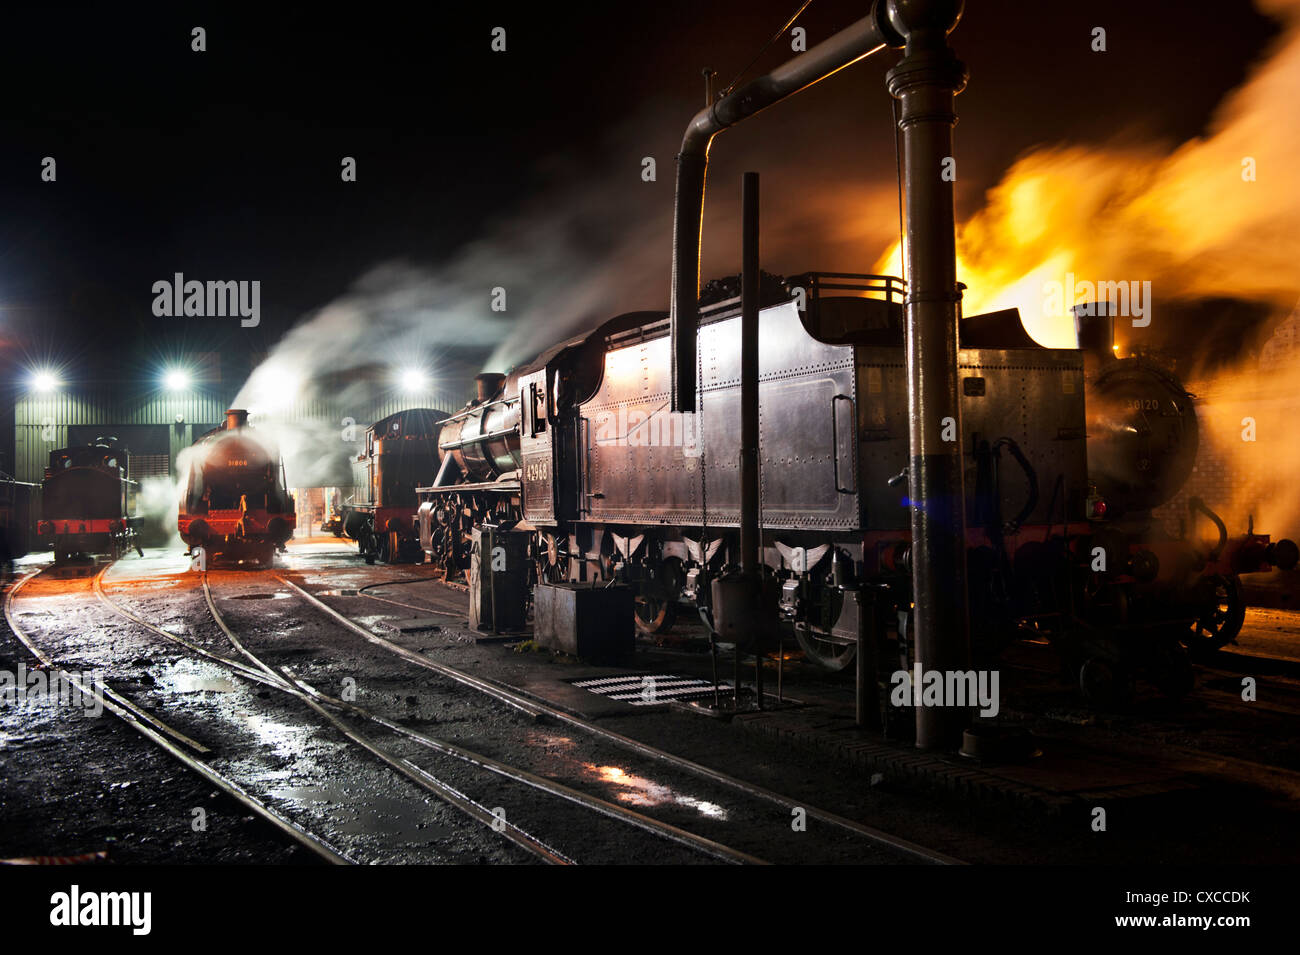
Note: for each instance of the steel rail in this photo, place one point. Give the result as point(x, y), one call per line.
point(285, 681)
point(268, 676)
point(416, 774)
point(112, 700)
point(397, 603)
point(542, 708)
point(129, 714)
point(529, 707)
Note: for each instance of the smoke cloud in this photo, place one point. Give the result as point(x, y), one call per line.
point(1215, 217)
point(592, 243)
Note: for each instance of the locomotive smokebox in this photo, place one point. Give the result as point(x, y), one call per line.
point(1142, 435)
point(487, 385)
point(236, 418)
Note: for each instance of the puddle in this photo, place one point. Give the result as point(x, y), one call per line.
point(357, 813)
point(344, 592)
point(191, 679)
point(277, 595)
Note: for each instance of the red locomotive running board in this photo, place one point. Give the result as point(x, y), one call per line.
point(104, 526)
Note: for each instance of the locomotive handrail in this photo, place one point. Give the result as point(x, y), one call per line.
point(462, 415)
point(1195, 504)
point(1031, 476)
point(835, 442)
point(479, 439)
point(583, 462)
point(892, 287)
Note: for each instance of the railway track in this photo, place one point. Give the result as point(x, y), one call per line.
point(543, 710)
point(344, 718)
point(279, 678)
point(180, 747)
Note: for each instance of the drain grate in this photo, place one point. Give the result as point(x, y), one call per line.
point(649, 689)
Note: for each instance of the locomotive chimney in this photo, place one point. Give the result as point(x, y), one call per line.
point(487, 384)
point(1094, 330)
point(236, 418)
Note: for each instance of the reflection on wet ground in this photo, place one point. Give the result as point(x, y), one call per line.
point(639, 791)
point(186, 677)
point(361, 811)
point(625, 787)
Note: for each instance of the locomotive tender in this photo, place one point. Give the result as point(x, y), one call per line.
point(235, 506)
point(580, 451)
point(88, 502)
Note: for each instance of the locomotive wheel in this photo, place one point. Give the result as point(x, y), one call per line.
point(556, 573)
point(366, 545)
point(1221, 620)
point(825, 651)
point(552, 563)
point(655, 615)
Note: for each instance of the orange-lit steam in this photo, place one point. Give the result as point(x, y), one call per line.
point(1190, 221)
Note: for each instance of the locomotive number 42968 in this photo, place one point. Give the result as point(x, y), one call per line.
point(537, 470)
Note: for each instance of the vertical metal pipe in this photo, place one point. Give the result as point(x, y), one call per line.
point(684, 316)
point(868, 690)
point(925, 82)
point(749, 301)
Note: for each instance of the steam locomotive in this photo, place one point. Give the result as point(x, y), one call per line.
point(401, 452)
point(235, 506)
point(88, 502)
point(579, 451)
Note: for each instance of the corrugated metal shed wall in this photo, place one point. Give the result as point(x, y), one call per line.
point(41, 421)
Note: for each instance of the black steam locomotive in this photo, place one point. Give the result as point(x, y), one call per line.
point(88, 502)
point(579, 450)
point(401, 452)
point(235, 506)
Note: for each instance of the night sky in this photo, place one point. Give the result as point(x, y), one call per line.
point(226, 164)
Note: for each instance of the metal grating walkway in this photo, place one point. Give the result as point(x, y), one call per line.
point(644, 689)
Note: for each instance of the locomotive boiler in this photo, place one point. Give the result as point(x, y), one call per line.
point(580, 451)
point(235, 507)
point(88, 502)
point(1143, 436)
point(401, 452)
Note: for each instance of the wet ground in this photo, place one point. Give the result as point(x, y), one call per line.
point(72, 783)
